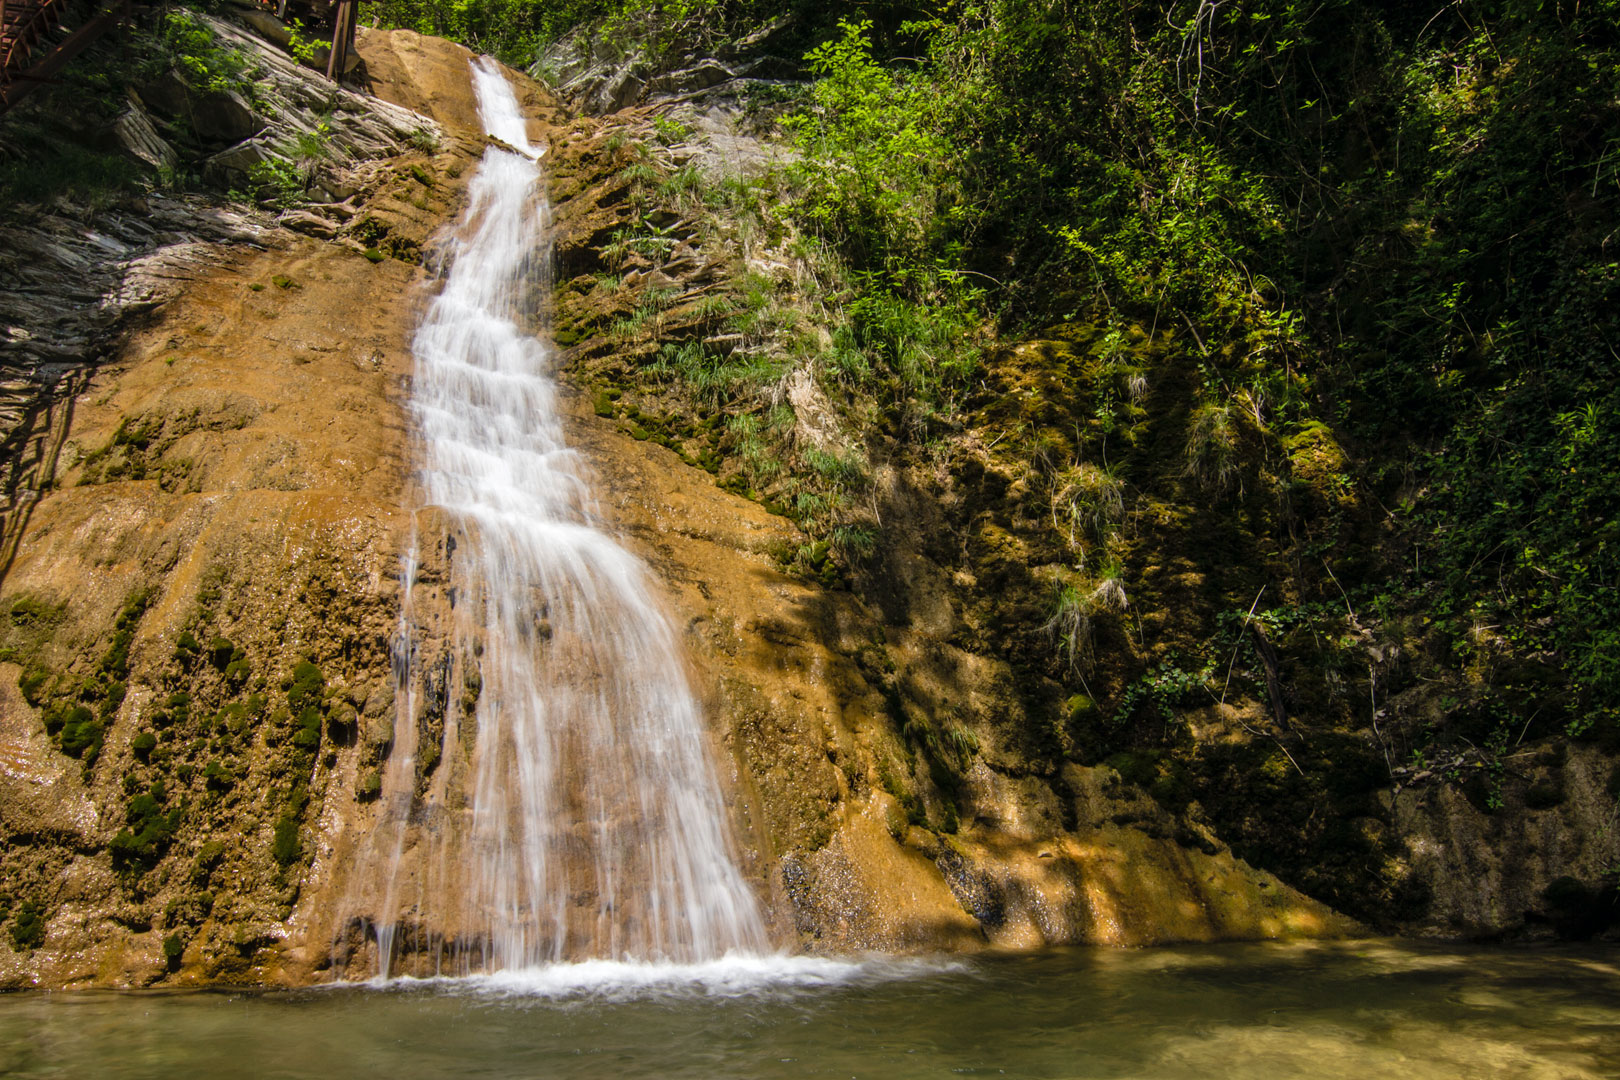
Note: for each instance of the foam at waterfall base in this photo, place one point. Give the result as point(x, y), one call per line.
point(733, 975)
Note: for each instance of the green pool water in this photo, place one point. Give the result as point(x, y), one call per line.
point(1344, 1009)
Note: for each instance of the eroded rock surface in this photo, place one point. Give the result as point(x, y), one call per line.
point(203, 599)
point(202, 596)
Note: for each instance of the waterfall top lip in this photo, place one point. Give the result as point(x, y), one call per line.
point(501, 144)
point(502, 118)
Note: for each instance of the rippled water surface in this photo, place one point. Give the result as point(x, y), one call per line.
point(1360, 1009)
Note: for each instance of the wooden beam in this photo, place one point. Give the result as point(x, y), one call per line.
point(81, 39)
point(342, 39)
point(1268, 658)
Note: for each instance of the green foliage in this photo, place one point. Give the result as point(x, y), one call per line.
point(306, 687)
point(847, 468)
point(670, 130)
point(1087, 502)
point(713, 378)
point(150, 824)
point(928, 343)
point(876, 161)
point(1158, 694)
point(1410, 208)
point(302, 48)
point(1069, 623)
point(285, 847)
point(28, 926)
point(185, 43)
point(279, 182)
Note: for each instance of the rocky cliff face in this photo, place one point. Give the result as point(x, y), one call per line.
point(209, 485)
point(206, 534)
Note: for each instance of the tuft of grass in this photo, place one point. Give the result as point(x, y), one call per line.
point(1212, 446)
point(1069, 624)
point(686, 181)
point(670, 131)
point(848, 469)
point(1087, 500)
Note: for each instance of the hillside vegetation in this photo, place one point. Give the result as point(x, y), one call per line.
point(1247, 368)
point(1318, 402)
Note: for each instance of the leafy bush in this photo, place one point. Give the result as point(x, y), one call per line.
point(28, 926)
point(285, 847)
point(149, 827)
point(306, 687)
point(187, 44)
point(173, 949)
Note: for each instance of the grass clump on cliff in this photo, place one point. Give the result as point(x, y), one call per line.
point(77, 712)
point(28, 926)
point(150, 824)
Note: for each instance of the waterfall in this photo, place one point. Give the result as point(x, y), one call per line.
point(569, 809)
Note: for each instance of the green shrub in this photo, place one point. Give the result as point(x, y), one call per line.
point(31, 682)
point(187, 44)
point(306, 687)
point(149, 827)
point(670, 130)
point(173, 949)
point(28, 926)
point(285, 848)
point(186, 648)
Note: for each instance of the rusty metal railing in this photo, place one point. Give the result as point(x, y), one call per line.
point(22, 24)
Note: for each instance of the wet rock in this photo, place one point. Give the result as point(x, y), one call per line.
point(309, 224)
point(701, 77)
point(231, 167)
point(167, 95)
point(224, 117)
point(617, 92)
point(135, 136)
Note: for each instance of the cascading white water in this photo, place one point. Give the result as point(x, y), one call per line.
point(581, 816)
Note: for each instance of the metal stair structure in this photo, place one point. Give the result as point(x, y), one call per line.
point(24, 25)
